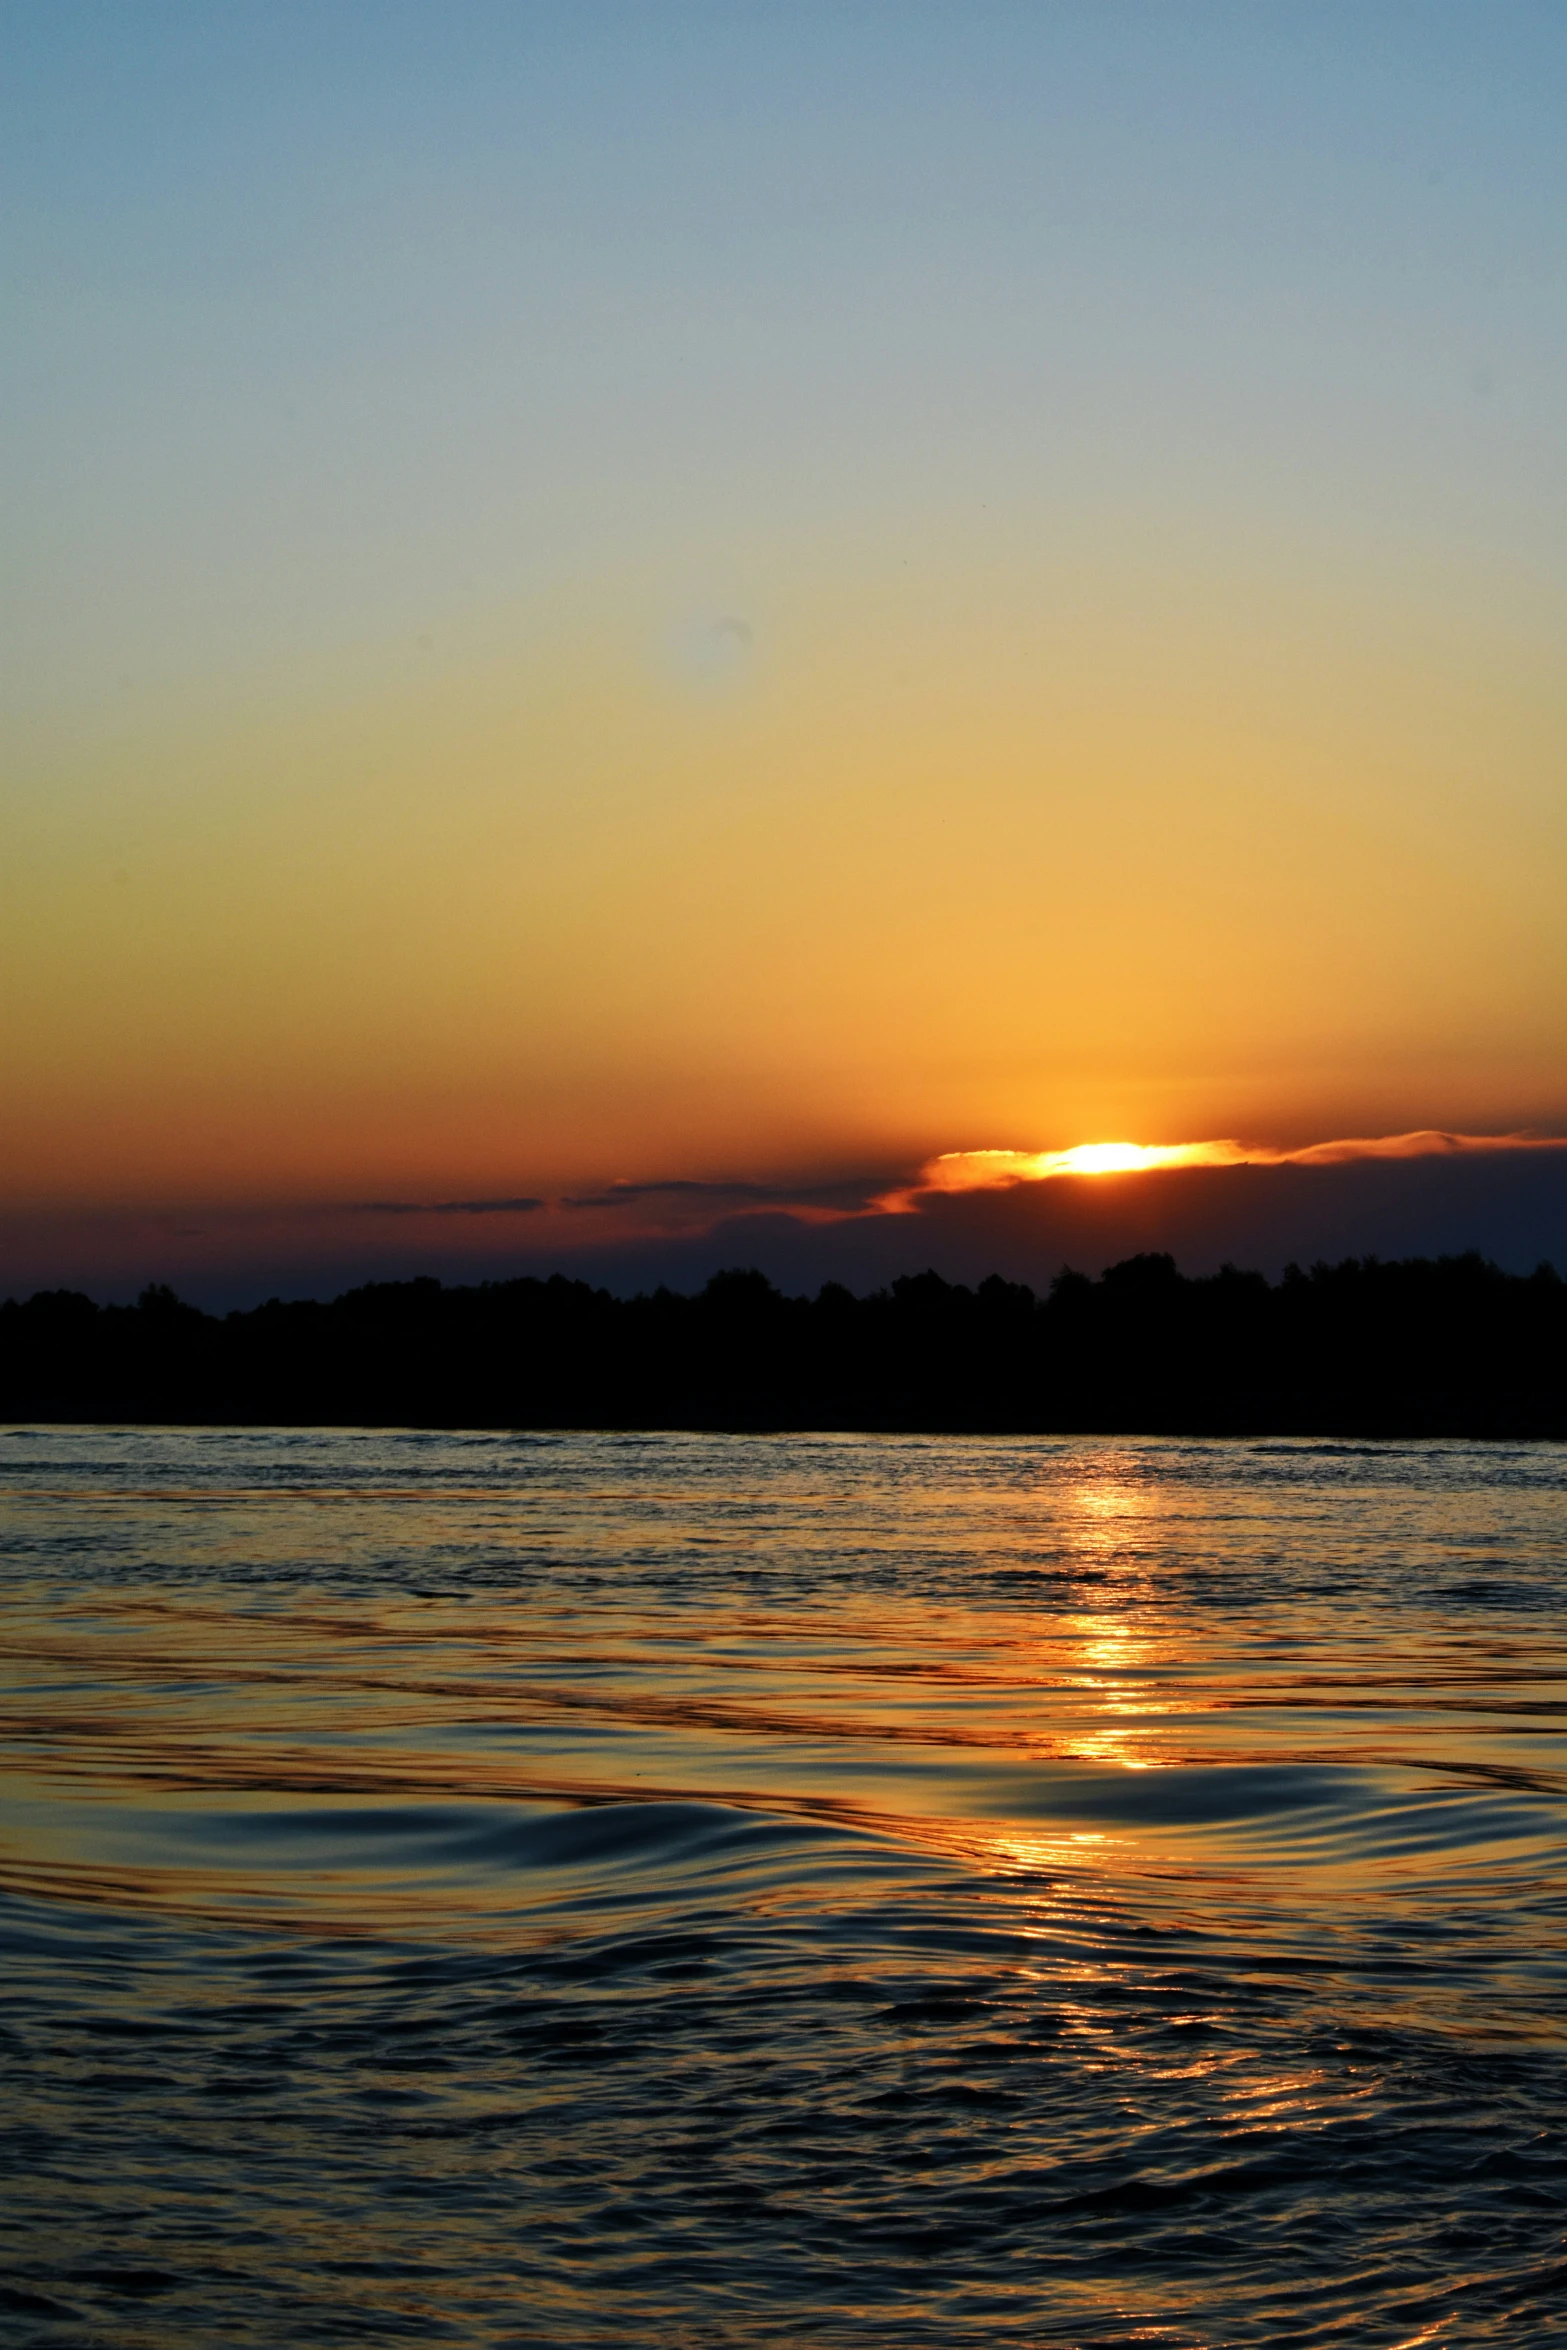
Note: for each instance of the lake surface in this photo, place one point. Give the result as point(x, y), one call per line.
point(707, 1891)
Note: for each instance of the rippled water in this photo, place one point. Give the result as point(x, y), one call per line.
point(714, 1891)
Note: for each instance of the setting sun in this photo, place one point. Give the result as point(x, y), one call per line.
point(1109, 1158)
point(986, 1170)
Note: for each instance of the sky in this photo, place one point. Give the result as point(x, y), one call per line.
point(745, 597)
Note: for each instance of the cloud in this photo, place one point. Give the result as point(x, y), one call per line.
point(693, 1204)
point(446, 1207)
point(853, 1196)
point(1428, 1143)
point(624, 1195)
point(1003, 1170)
point(1392, 1196)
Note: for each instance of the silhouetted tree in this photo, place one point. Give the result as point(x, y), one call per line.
point(1418, 1346)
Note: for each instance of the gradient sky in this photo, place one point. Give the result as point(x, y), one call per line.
point(766, 592)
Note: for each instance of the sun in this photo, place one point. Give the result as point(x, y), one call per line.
point(1106, 1158)
point(1001, 1170)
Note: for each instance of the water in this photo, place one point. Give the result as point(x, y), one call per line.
point(707, 1891)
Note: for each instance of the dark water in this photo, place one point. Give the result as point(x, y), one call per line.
point(706, 1891)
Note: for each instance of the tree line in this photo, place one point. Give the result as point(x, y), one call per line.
point(1450, 1346)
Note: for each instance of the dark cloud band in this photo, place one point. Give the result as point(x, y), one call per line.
point(446, 1207)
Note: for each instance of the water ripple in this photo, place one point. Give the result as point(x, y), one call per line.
point(721, 1892)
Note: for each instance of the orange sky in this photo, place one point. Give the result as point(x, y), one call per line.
point(553, 917)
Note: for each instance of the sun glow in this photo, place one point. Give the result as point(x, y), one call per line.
point(991, 1170)
point(999, 1170)
point(1111, 1158)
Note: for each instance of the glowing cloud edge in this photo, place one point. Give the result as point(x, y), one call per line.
point(1003, 1170)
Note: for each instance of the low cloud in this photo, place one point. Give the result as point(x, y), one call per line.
point(1430, 1193)
point(1004, 1170)
point(692, 1203)
point(446, 1207)
point(1428, 1143)
point(812, 1202)
point(625, 1195)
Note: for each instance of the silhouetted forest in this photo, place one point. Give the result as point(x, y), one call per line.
point(1446, 1347)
